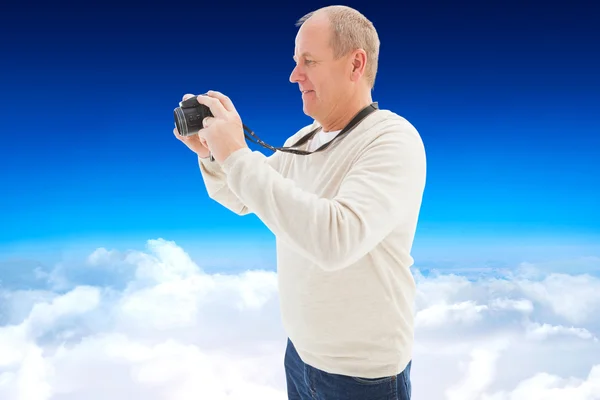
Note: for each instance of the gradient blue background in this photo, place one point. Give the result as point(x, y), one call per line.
point(504, 94)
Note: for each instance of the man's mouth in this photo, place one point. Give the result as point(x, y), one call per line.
point(307, 91)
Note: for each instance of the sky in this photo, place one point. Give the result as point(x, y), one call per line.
point(114, 261)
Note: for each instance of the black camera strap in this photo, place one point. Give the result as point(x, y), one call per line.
point(361, 115)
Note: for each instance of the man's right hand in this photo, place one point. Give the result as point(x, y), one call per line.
point(194, 142)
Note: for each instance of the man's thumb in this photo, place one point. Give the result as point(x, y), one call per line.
point(206, 122)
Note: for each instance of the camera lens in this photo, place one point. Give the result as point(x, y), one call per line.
point(188, 119)
point(179, 117)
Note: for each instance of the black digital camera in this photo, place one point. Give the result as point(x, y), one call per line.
point(189, 116)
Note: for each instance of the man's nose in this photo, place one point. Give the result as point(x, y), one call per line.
point(295, 75)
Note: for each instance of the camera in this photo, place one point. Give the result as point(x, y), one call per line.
point(189, 116)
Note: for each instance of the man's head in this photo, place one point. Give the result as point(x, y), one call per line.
point(336, 55)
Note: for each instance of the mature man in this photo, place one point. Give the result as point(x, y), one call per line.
point(344, 217)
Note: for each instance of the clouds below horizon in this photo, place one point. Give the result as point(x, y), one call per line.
point(154, 325)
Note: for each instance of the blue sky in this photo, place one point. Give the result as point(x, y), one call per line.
point(502, 96)
point(110, 247)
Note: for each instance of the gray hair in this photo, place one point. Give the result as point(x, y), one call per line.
point(351, 30)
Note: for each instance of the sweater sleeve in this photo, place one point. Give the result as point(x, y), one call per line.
point(215, 181)
point(215, 178)
point(381, 190)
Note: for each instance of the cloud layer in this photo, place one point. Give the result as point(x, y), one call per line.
point(154, 325)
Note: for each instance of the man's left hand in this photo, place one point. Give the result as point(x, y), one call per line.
point(224, 133)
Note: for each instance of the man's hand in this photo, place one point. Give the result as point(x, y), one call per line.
point(223, 133)
point(193, 142)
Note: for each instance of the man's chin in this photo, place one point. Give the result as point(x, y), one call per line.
point(309, 113)
point(308, 109)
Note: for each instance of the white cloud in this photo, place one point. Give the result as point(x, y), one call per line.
point(155, 325)
point(524, 335)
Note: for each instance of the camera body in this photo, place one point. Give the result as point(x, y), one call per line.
point(189, 116)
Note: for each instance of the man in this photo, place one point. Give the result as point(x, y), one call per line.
point(344, 217)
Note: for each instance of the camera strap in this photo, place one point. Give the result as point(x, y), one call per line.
point(361, 115)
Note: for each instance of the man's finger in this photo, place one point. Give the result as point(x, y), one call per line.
point(181, 137)
point(215, 105)
point(207, 121)
point(187, 96)
point(226, 101)
point(176, 133)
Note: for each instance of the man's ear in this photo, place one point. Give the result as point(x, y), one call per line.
point(359, 62)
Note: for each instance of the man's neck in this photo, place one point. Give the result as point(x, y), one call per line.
point(342, 115)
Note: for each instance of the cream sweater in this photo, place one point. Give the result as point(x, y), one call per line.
point(344, 221)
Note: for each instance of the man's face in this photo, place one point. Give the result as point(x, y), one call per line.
point(325, 79)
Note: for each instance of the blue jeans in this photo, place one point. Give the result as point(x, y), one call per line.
point(308, 383)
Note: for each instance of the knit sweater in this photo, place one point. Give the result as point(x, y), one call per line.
point(344, 221)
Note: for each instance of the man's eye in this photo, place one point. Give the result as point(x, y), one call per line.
point(308, 61)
